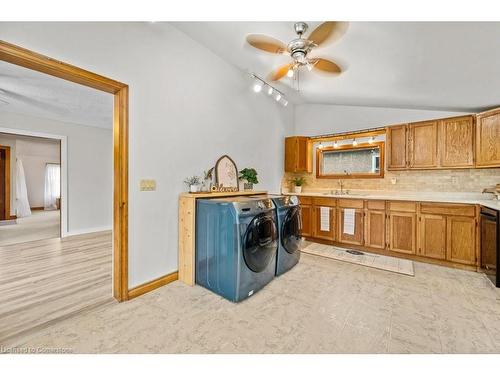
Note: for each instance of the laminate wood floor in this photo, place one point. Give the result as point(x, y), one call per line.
point(45, 281)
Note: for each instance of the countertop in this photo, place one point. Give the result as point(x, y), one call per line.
point(485, 200)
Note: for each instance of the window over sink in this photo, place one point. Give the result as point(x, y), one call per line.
point(351, 161)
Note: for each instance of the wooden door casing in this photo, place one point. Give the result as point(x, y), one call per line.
point(432, 236)
point(456, 142)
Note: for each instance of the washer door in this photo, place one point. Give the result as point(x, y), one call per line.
point(260, 242)
point(290, 230)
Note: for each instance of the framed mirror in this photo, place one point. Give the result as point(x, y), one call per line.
point(350, 161)
point(226, 173)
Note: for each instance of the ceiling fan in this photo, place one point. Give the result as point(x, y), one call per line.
point(300, 48)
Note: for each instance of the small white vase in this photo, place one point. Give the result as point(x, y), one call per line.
point(194, 188)
point(297, 189)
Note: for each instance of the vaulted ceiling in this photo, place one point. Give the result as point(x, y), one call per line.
point(428, 65)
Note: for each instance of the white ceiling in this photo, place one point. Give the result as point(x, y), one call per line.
point(36, 94)
point(427, 65)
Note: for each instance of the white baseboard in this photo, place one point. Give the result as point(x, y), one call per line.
point(86, 231)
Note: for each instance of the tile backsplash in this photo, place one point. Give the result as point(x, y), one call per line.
point(449, 180)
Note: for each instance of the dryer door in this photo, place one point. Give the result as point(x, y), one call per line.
point(260, 242)
point(290, 230)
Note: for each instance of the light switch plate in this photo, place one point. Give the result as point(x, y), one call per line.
point(147, 185)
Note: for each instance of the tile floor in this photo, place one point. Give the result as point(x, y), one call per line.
point(321, 306)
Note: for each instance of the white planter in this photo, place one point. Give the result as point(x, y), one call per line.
point(297, 189)
point(194, 188)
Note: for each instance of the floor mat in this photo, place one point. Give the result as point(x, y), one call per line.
point(382, 262)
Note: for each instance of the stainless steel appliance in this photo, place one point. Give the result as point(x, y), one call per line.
point(490, 244)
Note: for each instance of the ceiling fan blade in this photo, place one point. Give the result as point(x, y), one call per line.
point(280, 72)
point(326, 66)
point(266, 43)
point(331, 31)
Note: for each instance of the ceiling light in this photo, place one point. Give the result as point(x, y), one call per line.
point(285, 102)
point(270, 90)
point(370, 141)
point(354, 142)
point(335, 144)
point(309, 66)
point(320, 146)
point(257, 87)
point(278, 97)
point(289, 73)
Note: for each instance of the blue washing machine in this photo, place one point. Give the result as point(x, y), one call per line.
point(289, 226)
point(236, 245)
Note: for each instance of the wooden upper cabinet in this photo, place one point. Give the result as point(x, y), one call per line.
point(422, 142)
point(397, 156)
point(456, 142)
point(461, 244)
point(488, 139)
point(432, 236)
point(298, 154)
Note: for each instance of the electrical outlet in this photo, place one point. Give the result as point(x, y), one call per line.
point(147, 185)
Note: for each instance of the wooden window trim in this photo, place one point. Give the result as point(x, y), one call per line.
point(319, 160)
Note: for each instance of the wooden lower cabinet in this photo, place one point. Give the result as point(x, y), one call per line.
point(307, 220)
point(461, 243)
point(357, 238)
point(402, 232)
point(432, 236)
point(375, 229)
point(324, 223)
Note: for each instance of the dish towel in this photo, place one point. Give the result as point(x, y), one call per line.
point(349, 220)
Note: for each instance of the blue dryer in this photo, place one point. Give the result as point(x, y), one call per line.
point(289, 226)
point(236, 245)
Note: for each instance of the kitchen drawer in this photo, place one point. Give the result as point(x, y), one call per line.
point(375, 205)
point(305, 200)
point(448, 209)
point(402, 206)
point(324, 202)
point(351, 203)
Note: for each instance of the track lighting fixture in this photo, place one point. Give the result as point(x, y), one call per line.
point(354, 142)
point(371, 140)
point(335, 144)
point(259, 84)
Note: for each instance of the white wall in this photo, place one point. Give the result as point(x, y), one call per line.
point(187, 108)
point(90, 168)
point(317, 119)
point(35, 154)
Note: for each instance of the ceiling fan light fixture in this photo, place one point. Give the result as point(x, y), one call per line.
point(289, 73)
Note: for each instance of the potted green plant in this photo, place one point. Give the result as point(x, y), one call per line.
point(193, 183)
point(298, 182)
point(249, 176)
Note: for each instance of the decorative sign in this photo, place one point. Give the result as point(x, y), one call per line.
point(226, 175)
point(223, 189)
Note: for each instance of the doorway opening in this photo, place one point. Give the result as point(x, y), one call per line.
point(30, 193)
point(20, 56)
